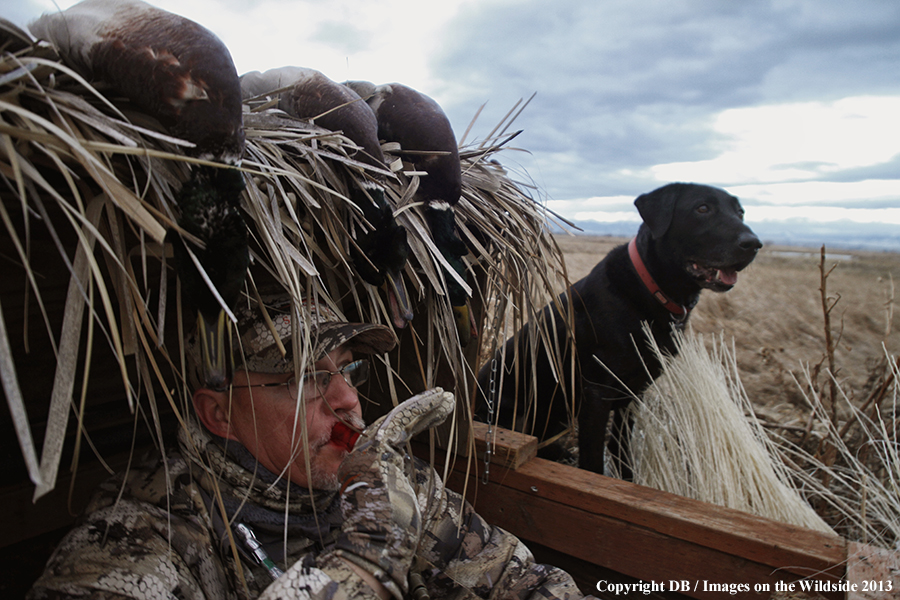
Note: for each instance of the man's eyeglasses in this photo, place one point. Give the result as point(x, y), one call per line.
point(316, 382)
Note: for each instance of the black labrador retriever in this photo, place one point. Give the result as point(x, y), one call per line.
point(693, 237)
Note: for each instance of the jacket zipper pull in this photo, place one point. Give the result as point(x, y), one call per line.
point(256, 549)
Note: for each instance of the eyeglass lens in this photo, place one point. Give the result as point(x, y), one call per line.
point(355, 374)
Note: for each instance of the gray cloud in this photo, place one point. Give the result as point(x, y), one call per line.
point(20, 13)
point(885, 170)
point(625, 85)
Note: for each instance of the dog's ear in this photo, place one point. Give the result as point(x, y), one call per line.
point(658, 207)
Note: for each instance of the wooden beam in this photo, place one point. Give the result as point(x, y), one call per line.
point(648, 534)
point(508, 448)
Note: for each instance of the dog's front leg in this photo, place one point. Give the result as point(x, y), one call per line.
point(620, 442)
point(593, 419)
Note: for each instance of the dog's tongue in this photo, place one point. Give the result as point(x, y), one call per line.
point(727, 276)
point(343, 436)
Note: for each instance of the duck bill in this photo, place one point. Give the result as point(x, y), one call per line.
point(215, 363)
point(401, 310)
point(465, 324)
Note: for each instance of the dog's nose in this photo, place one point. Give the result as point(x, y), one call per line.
point(749, 242)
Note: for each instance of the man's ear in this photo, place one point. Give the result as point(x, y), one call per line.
point(212, 410)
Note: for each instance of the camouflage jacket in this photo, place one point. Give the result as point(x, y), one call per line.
point(158, 532)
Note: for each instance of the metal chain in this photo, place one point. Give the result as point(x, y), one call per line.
point(486, 474)
point(492, 394)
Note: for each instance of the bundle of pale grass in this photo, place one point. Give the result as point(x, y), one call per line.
point(691, 438)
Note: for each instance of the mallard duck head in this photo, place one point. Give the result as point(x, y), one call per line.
point(380, 254)
point(210, 211)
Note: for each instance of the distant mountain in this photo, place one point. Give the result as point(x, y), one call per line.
point(836, 234)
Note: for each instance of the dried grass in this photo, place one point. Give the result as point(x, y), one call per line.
point(112, 176)
point(857, 483)
point(696, 434)
point(692, 438)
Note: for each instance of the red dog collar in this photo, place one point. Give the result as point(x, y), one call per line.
point(644, 274)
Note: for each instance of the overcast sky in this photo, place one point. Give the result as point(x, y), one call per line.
point(793, 106)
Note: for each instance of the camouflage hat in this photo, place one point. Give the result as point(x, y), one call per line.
point(327, 331)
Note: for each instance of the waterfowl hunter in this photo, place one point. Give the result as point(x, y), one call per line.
point(182, 76)
point(426, 139)
point(379, 254)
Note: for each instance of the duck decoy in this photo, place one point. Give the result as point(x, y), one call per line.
point(418, 124)
point(180, 74)
point(380, 254)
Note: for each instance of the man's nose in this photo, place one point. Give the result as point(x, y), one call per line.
point(340, 394)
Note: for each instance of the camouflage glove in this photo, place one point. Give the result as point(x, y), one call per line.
point(382, 523)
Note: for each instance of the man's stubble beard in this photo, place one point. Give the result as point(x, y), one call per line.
point(319, 477)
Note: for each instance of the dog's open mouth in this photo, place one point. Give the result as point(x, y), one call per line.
point(719, 279)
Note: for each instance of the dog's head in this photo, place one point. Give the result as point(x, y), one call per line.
point(703, 229)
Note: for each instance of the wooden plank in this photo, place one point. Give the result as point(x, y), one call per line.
point(724, 529)
point(508, 448)
point(654, 537)
point(648, 534)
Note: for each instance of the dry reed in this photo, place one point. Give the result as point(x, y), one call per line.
point(696, 435)
point(77, 165)
point(691, 438)
point(858, 486)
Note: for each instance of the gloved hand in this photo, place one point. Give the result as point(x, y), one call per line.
point(382, 523)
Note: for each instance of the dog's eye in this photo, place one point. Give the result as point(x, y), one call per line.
point(703, 209)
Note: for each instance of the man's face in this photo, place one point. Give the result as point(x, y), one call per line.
point(267, 422)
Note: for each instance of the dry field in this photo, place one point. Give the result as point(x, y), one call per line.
point(775, 317)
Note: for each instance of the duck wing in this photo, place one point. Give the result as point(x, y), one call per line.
point(169, 67)
point(422, 129)
point(310, 95)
